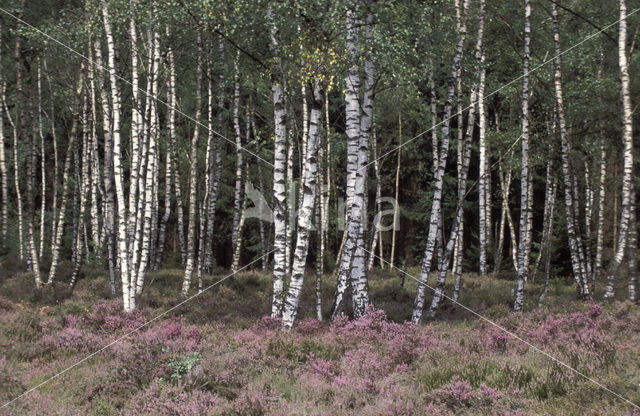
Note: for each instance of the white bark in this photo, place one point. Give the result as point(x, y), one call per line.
point(193, 179)
point(435, 217)
point(279, 171)
point(627, 137)
point(524, 170)
point(306, 210)
point(128, 288)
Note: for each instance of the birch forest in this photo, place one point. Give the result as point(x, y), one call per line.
point(372, 207)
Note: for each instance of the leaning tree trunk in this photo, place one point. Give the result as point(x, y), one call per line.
point(524, 170)
point(464, 157)
point(306, 210)
point(627, 137)
point(193, 179)
point(435, 217)
point(279, 171)
point(577, 266)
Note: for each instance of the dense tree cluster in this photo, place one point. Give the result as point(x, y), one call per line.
point(139, 134)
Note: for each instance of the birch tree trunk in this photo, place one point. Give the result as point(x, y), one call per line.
point(435, 217)
point(483, 178)
point(3, 162)
point(55, 249)
point(376, 231)
point(208, 185)
point(31, 202)
point(168, 175)
point(238, 197)
point(83, 188)
point(464, 158)
point(577, 265)
point(108, 174)
point(547, 241)
point(627, 137)
point(17, 132)
point(597, 265)
point(306, 210)
point(211, 213)
point(128, 285)
point(524, 170)
point(632, 250)
point(193, 178)
point(397, 191)
point(151, 169)
point(43, 176)
point(358, 128)
point(438, 295)
point(279, 170)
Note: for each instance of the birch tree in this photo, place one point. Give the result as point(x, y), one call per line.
point(524, 169)
point(306, 210)
point(434, 220)
point(193, 178)
point(279, 169)
point(627, 140)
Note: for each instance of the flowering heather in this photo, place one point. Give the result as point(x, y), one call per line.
point(183, 364)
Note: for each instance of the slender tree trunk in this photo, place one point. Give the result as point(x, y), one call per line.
point(279, 171)
point(193, 179)
point(435, 217)
point(627, 136)
point(211, 213)
point(3, 162)
point(83, 188)
point(168, 175)
point(17, 136)
point(95, 161)
point(632, 250)
point(524, 170)
point(358, 128)
point(597, 266)
point(577, 265)
point(151, 169)
point(238, 197)
point(547, 241)
point(483, 179)
point(464, 158)
point(261, 207)
point(397, 191)
point(376, 232)
point(306, 210)
point(438, 295)
point(128, 285)
point(43, 175)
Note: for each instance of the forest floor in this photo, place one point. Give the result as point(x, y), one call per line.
point(217, 354)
